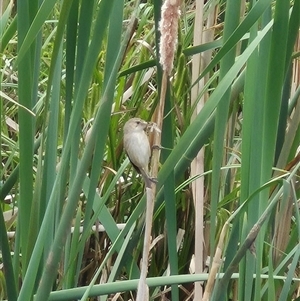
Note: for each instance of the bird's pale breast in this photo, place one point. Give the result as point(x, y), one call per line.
point(138, 149)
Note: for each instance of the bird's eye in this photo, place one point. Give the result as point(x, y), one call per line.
point(138, 122)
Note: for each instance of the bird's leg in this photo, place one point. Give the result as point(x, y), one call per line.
point(153, 180)
point(148, 180)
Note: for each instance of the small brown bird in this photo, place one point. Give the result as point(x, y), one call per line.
point(137, 147)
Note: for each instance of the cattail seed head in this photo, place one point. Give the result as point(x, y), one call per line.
point(170, 13)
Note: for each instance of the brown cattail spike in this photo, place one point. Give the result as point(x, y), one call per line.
point(170, 13)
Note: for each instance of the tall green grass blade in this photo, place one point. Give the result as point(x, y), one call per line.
point(8, 34)
point(11, 286)
point(35, 26)
point(276, 75)
point(71, 273)
point(170, 207)
point(272, 103)
point(251, 146)
point(50, 160)
point(169, 194)
point(230, 24)
point(26, 137)
point(71, 38)
point(5, 18)
point(283, 117)
point(84, 31)
point(285, 293)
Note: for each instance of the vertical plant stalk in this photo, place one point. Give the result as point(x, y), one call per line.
point(200, 61)
point(197, 165)
point(168, 26)
point(26, 121)
point(11, 287)
point(217, 260)
point(143, 290)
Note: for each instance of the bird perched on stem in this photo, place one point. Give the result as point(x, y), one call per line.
point(137, 147)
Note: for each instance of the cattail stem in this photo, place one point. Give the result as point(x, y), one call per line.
point(168, 26)
point(143, 291)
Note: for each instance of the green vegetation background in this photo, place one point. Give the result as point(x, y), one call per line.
point(72, 72)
